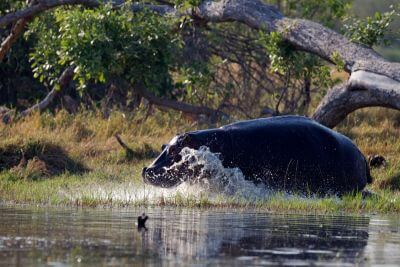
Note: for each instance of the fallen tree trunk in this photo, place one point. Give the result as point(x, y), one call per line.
point(364, 89)
point(373, 80)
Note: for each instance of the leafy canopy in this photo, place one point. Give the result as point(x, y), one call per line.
point(104, 43)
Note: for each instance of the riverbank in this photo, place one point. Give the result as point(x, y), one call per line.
point(76, 160)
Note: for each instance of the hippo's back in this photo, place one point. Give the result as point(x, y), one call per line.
point(297, 153)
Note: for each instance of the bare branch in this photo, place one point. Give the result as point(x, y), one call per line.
point(63, 82)
point(41, 6)
point(16, 31)
point(361, 91)
point(180, 106)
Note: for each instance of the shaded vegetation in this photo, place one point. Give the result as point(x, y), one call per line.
point(36, 154)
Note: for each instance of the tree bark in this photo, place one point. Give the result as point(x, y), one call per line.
point(15, 32)
point(364, 89)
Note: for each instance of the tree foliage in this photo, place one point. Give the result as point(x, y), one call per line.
point(104, 43)
point(372, 30)
point(223, 66)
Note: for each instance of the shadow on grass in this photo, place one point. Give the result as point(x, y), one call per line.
point(38, 157)
point(392, 183)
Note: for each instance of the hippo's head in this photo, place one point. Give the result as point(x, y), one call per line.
point(165, 172)
point(160, 172)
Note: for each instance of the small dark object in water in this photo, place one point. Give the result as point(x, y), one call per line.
point(142, 220)
point(376, 161)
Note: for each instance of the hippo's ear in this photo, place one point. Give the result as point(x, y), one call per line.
point(186, 137)
point(163, 147)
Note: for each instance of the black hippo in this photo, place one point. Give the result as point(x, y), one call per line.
point(290, 153)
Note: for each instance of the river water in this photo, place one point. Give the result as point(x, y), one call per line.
point(37, 236)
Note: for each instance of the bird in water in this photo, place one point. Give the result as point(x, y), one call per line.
point(142, 221)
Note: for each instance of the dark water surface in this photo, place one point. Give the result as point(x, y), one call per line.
point(109, 237)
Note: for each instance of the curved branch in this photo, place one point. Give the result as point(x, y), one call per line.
point(40, 7)
point(361, 91)
point(373, 80)
point(44, 5)
point(303, 34)
point(63, 82)
point(16, 31)
point(176, 105)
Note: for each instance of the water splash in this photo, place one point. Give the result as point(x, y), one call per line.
point(214, 178)
point(214, 182)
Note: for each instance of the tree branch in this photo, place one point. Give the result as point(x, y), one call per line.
point(303, 34)
point(360, 91)
point(176, 105)
point(16, 31)
point(40, 7)
point(63, 82)
point(44, 5)
point(373, 81)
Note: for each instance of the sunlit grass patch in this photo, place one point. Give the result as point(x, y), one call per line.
point(97, 190)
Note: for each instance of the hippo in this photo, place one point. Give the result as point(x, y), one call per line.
point(286, 153)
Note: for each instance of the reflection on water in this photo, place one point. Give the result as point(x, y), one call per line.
point(59, 237)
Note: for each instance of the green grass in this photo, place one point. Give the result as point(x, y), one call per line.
point(107, 176)
point(56, 191)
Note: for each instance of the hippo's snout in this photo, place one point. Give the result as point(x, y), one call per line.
point(160, 177)
point(148, 176)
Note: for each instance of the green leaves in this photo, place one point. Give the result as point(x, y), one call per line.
point(185, 4)
point(296, 65)
point(278, 51)
point(371, 30)
point(338, 61)
point(327, 12)
point(103, 43)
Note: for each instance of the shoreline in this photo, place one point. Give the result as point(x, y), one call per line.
point(33, 193)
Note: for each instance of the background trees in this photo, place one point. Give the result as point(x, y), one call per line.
point(185, 61)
